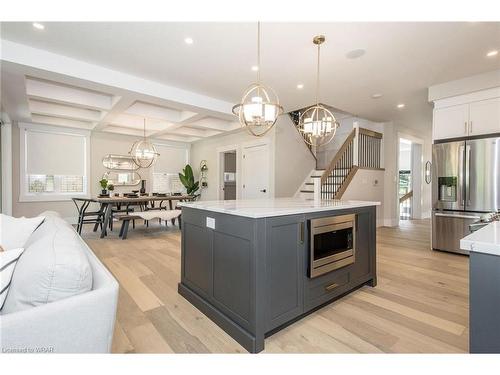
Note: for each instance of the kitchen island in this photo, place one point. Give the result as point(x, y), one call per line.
point(484, 288)
point(256, 266)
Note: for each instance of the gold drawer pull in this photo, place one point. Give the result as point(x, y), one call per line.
point(331, 287)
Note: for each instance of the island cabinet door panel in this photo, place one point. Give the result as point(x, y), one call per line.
point(364, 241)
point(197, 256)
point(232, 267)
point(285, 256)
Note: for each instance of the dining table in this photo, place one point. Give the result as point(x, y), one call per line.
point(108, 202)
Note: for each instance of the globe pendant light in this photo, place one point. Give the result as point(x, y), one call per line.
point(259, 107)
point(144, 152)
point(317, 123)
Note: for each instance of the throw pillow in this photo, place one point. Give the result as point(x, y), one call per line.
point(15, 232)
point(8, 260)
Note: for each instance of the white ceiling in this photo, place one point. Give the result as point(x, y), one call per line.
point(401, 61)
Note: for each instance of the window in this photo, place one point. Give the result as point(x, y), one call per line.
point(54, 163)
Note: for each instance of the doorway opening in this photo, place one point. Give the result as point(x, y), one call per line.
point(228, 182)
point(405, 191)
point(410, 175)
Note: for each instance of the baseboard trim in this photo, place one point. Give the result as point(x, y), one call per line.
point(391, 222)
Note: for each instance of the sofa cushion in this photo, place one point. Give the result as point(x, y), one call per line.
point(15, 231)
point(8, 261)
point(54, 266)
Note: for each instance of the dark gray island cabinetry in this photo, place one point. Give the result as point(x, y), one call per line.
point(484, 288)
point(247, 264)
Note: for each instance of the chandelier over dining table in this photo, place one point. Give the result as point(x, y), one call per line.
point(144, 151)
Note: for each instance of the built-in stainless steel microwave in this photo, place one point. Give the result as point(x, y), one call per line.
point(332, 243)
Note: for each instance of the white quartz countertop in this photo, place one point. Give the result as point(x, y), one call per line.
point(258, 208)
point(486, 240)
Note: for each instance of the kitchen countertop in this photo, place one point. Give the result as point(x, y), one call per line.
point(486, 240)
point(259, 208)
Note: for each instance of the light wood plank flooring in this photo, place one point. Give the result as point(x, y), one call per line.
point(420, 304)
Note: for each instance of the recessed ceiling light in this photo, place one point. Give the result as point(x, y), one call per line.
point(492, 53)
point(355, 53)
point(376, 96)
point(401, 105)
point(300, 86)
point(255, 68)
point(38, 26)
point(189, 40)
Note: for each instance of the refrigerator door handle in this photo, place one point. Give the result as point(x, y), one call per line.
point(458, 216)
point(461, 166)
point(467, 174)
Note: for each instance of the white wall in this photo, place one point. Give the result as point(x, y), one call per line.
point(207, 149)
point(368, 185)
point(465, 85)
point(6, 167)
point(294, 161)
point(392, 133)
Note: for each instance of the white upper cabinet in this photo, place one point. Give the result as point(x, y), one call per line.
point(484, 117)
point(468, 115)
point(451, 122)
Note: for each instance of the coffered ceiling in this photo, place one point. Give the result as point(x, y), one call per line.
point(45, 97)
point(128, 71)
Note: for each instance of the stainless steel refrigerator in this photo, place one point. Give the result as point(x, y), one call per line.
point(465, 185)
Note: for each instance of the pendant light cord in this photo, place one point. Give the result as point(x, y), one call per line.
point(144, 132)
point(258, 52)
point(317, 78)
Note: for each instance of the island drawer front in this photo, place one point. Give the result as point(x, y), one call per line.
point(321, 289)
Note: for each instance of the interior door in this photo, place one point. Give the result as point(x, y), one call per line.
point(483, 175)
point(485, 117)
point(255, 172)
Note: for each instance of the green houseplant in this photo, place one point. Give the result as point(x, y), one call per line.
point(187, 179)
point(104, 186)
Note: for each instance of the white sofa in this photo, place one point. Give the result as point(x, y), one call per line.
point(82, 323)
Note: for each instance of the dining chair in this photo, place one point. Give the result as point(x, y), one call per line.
point(88, 217)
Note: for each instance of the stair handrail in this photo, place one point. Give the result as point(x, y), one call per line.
point(406, 196)
point(337, 156)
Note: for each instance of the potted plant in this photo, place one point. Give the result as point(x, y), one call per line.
point(104, 186)
point(187, 179)
point(111, 188)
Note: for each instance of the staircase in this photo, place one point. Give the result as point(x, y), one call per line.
point(360, 150)
point(306, 190)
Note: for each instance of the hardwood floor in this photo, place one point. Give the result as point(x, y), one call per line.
point(420, 304)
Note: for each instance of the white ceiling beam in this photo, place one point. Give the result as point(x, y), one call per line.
point(126, 131)
point(158, 112)
point(171, 137)
point(50, 91)
point(57, 121)
point(48, 61)
point(214, 124)
point(64, 111)
point(120, 104)
point(183, 130)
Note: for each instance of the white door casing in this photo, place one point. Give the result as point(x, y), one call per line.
point(255, 171)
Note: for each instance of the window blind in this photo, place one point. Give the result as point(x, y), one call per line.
point(55, 153)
